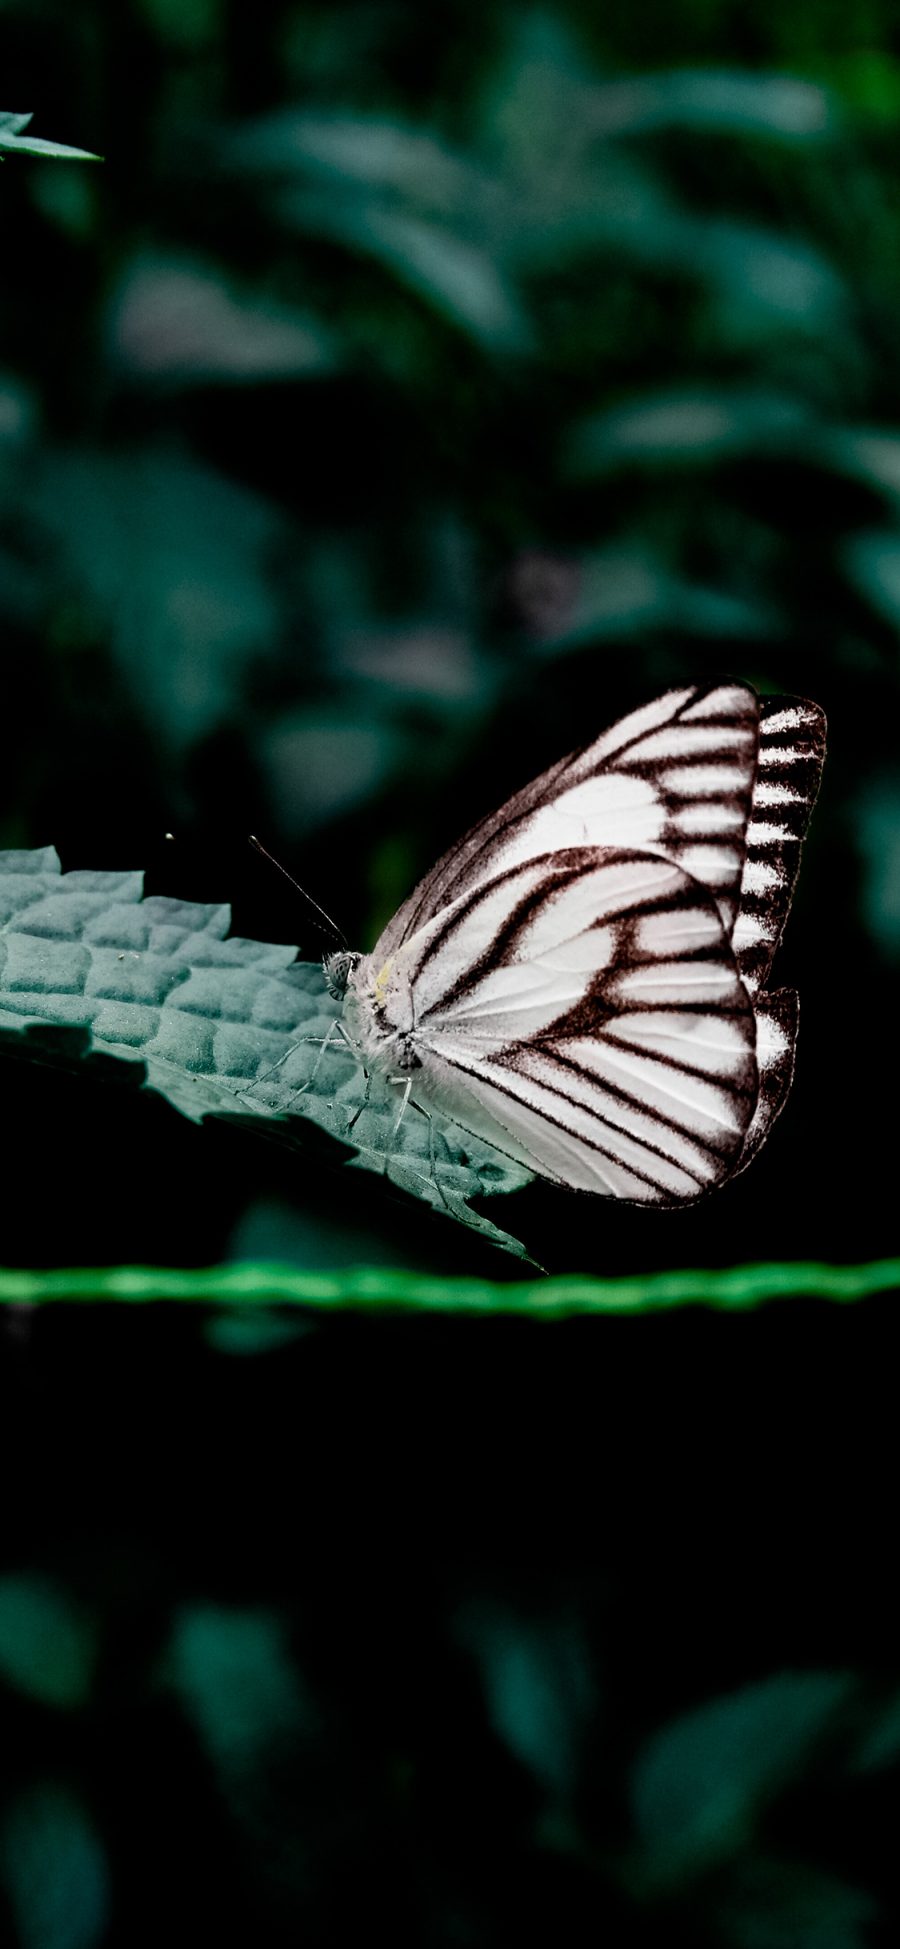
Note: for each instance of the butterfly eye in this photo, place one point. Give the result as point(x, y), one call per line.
point(338, 968)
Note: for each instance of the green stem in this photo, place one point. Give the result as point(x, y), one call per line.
point(364, 1288)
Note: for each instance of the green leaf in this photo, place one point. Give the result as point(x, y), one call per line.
point(878, 839)
point(455, 275)
point(537, 1683)
point(11, 127)
point(223, 1026)
point(772, 1904)
point(358, 150)
point(725, 101)
point(55, 1871)
point(47, 1646)
point(176, 561)
point(179, 322)
point(233, 1673)
point(700, 1785)
point(879, 1745)
point(873, 562)
point(700, 426)
point(253, 1330)
point(626, 589)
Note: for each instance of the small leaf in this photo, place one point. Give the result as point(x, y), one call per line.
point(880, 1744)
point(700, 1784)
point(700, 426)
point(537, 1685)
point(11, 127)
point(356, 149)
point(773, 1904)
point(55, 1871)
point(252, 1331)
point(238, 1684)
point(181, 323)
point(177, 560)
point(878, 833)
point(47, 1646)
point(873, 562)
point(708, 100)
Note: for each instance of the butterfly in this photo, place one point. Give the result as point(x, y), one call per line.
point(581, 980)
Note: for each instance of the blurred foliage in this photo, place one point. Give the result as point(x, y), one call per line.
point(407, 395)
point(705, 1807)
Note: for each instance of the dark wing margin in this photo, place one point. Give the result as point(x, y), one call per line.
point(776, 1041)
point(788, 772)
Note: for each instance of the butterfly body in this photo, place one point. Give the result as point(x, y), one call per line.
point(379, 1016)
point(580, 981)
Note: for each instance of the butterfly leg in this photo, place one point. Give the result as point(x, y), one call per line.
point(407, 1089)
point(264, 1075)
point(334, 1030)
point(363, 1105)
point(432, 1163)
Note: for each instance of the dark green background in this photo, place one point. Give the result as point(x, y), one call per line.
point(408, 393)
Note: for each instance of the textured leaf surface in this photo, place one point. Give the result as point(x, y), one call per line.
point(223, 1026)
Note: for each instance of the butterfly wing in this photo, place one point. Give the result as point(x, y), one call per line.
point(583, 1013)
point(674, 777)
point(788, 771)
point(594, 1056)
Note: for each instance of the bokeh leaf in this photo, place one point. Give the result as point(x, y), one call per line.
point(47, 1643)
point(176, 322)
point(54, 1869)
point(233, 1672)
point(174, 560)
point(774, 1904)
point(713, 101)
point(538, 1686)
point(700, 1784)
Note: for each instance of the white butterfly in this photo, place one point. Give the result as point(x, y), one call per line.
point(581, 980)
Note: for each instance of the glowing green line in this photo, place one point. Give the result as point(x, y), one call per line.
point(377, 1289)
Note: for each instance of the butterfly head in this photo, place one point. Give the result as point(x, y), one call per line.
point(337, 970)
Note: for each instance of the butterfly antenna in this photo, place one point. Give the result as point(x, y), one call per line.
point(329, 926)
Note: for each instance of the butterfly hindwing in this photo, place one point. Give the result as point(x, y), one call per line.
point(583, 1013)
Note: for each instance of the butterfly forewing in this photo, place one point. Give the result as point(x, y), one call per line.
point(674, 777)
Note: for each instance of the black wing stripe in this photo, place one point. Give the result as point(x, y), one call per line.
point(710, 729)
point(630, 1101)
point(744, 1090)
point(543, 879)
point(545, 1104)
